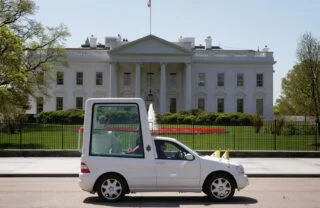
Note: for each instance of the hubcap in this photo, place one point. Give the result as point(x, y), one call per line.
point(220, 188)
point(111, 189)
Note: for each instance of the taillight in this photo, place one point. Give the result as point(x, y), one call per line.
point(84, 168)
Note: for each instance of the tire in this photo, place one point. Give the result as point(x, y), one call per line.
point(111, 188)
point(220, 187)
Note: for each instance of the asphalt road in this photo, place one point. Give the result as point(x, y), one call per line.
point(64, 192)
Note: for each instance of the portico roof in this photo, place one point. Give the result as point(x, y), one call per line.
point(150, 45)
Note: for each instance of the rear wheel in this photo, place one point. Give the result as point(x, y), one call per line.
point(220, 187)
point(111, 188)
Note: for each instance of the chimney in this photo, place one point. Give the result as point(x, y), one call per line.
point(208, 43)
point(265, 49)
point(93, 42)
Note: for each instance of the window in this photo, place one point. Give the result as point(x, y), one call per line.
point(39, 101)
point(60, 78)
point(240, 105)
point(79, 102)
point(79, 78)
point(150, 80)
point(173, 105)
point(114, 137)
point(99, 78)
point(127, 79)
point(240, 80)
point(259, 106)
point(59, 103)
point(220, 81)
point(201, 103)
point(173, 80)
point(220, 105)
point(167, 150)
point(201, 79)
point(259, 80)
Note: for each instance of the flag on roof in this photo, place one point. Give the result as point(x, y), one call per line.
point(149, 3)
point(226, 155)
point(216, 154)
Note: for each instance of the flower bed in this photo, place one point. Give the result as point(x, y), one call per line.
point(170, 130)
point(188, 130)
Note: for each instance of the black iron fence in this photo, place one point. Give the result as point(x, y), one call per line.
point(273, 135)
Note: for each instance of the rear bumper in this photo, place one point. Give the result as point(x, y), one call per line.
point(86, 182)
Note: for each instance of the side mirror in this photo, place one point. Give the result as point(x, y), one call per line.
point(189, 157)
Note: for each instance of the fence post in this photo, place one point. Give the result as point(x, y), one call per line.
point(20, 131)
point(192, 135)
point(234, 137)
point(275, 135)
point(62, 139)
point(317, 134)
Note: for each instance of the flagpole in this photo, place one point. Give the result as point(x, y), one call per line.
point(150, 17)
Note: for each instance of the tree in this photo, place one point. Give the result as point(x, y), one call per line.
point(297, 95)
point(283, 107)
point(300, 88)
point(308, 53)
point(11, 73)
point(32, 49)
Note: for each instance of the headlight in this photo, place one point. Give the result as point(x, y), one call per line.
point(240, 169)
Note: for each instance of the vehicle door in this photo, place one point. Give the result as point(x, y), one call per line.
point(173, 169)
point(117, 144)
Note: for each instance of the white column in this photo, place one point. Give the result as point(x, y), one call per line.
point(138, 77)
point(163, 91)
point(188, 87)
point(112, 85)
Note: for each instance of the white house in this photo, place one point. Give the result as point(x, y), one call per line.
point(171, 75)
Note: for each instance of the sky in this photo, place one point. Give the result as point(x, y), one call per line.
point(233, 24)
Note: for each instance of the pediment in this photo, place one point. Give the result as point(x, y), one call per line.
point(150, 45)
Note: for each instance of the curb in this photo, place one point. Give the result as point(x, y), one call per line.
point(75, 153)
point(49, 175)
point(39, 153)
point(70, 175)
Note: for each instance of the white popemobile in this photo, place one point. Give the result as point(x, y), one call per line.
point(120, 156)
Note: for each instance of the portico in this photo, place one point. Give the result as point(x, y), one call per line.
point(161, 71)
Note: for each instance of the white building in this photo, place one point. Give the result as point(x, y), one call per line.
point(172, 76)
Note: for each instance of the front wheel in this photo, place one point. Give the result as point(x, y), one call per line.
point(220, 187)
point(111, 188)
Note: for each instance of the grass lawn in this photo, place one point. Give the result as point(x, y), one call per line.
point(55, 136)
point(42, 136)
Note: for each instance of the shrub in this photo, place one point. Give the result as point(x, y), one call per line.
point(190, 119)
point(169, 118)
point(298, 129)
point(70, 116)
point(223, 119)
point(196, 112)
point(277, 126)
point(257, 123)
point(200, 117)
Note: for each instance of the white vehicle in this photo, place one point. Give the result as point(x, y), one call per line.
point(119, 156)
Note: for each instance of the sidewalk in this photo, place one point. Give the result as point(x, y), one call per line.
point(70, 166)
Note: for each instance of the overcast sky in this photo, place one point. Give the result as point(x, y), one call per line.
point(233, 24)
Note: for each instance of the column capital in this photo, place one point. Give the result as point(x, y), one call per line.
point(163, 64)
point(187, 64)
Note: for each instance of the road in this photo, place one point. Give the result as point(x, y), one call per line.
point(64, 192)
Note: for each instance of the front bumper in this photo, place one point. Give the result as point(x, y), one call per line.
point(242, 181)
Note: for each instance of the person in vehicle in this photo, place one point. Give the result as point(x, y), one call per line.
point(161, 147)
point(138, 149)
